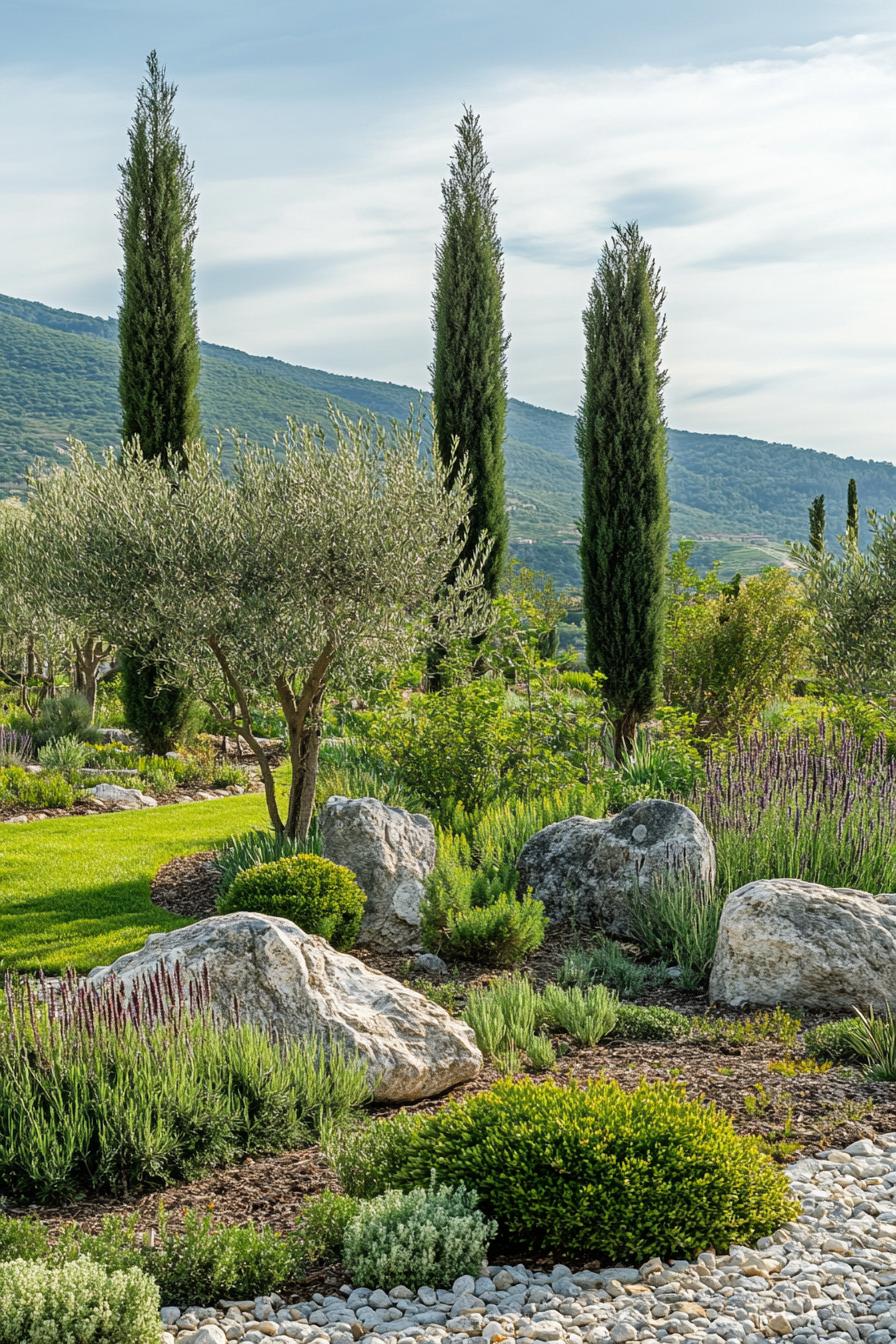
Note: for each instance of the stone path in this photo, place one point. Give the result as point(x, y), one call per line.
point(831, 1276)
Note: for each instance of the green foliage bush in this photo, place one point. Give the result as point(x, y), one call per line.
point(79, 1302)
point(678, 922)
point(64, 753)
point(320, 896)
point(598, 1171)
point(256, 847)
point(839, 1042)
point(607, 964)
point(417, 1237)
point(365, 1156)
point(20, 788)
point(96, 1099)
point(500, 934)
point(65, 715)
point(641, 1022)
point(322, 1225)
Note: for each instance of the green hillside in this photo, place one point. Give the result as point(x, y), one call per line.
point(741, 498)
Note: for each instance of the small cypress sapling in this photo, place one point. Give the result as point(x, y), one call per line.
point(817, 524)
point(852, 515)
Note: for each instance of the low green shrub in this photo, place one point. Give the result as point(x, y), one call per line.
point(365, 1156)
point(64, 753)
point(65, 715)
point(500, 934)
point(79, 1302)
point(585, 1015)
point(640, 1022)
point(605, 963)
point(203, 1262)
point(596, 1171)
point(321, 1227)
point(254, 848)
point(866, 1039)
point(839, 1042)
point(20, 788)
point(504, 1015)
point(320, 896)
point(417, 1237)
point(103, 1097)
point(677, 922)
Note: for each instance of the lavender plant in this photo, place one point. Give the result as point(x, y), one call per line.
point(101, 1090)
point(819, 806)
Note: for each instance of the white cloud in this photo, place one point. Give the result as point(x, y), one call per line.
point(766, 187)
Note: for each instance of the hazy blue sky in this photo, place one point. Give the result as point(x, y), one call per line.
point(755, 143)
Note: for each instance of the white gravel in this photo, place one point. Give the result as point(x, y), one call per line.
point(831, 1275)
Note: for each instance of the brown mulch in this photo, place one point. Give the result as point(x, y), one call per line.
point(187, 886)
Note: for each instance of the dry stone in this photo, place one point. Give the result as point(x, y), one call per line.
point(587, 870)
point(806, 946)
point(297, 985)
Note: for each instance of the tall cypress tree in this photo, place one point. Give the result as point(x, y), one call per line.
point(621, 438)
point(469, 369)
point(817, 524)
point(852, 515)
point(159, 344)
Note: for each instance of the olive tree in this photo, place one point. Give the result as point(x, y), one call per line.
point(36, 643)
point(852, 597)
point(314, 562)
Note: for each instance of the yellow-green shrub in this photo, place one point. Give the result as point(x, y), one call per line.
point(320, 896)
point(598, 1171)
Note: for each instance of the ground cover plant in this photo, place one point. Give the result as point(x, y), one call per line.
point(79, 1302)
point(101, 1091)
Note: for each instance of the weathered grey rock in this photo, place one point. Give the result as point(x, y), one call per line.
point(121, 796)
point(427, 963)
point(391, 852)
point(805, 946)
point(587, 870)
point(297, 985)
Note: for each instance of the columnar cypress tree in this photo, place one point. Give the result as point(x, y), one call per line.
point(621, 438)
point(158, 336)
point(159, 344)
point(469, 369)
point(852, 515)
point(817, 524)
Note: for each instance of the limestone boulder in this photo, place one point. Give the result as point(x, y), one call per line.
point(806, 946)
point(120, 796)
point(391, 852)
point(295, 984)
point(588, 870)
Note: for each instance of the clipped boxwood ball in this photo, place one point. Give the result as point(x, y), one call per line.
point(320, 896)
point(596, 1171)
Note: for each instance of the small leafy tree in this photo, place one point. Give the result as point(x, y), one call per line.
point(731, 647)
point(318, 562)
point(621, 439)
point(852, 598)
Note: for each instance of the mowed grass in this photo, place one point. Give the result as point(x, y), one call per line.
point(75, 891)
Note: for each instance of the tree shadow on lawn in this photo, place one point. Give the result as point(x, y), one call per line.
point(75, 891)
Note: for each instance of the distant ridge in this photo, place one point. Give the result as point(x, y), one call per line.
point(743, 499)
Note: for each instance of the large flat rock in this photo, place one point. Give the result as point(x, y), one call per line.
point(805, 946)
point(295, 984)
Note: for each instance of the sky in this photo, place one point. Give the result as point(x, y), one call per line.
point(755, 145)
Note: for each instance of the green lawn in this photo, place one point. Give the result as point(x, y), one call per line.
point(75, 891)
